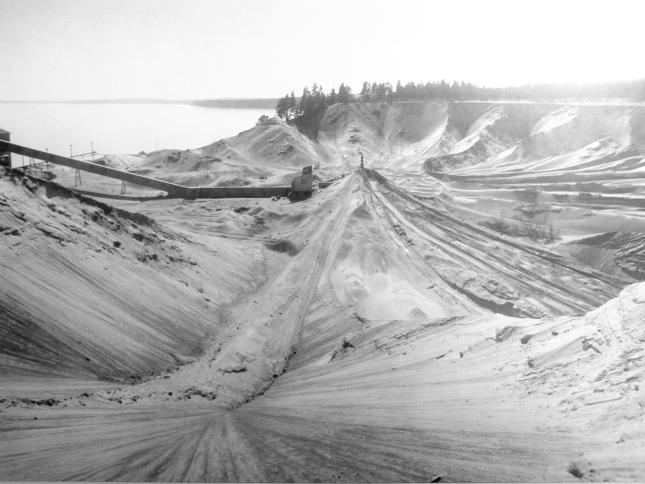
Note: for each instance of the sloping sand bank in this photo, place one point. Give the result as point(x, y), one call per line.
point(363, 335)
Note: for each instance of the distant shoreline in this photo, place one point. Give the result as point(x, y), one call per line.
point(258, 103)
point(227, 103)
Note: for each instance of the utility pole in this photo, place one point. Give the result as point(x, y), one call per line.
point(77, 174)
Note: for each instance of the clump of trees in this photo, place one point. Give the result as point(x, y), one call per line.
point(311, 102)
point(314, 99)
point(307, 110)
point(262, 119)
point(287, 107)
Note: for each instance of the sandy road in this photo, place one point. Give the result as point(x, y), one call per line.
point(264, 344)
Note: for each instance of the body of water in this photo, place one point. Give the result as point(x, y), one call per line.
point(121, 128)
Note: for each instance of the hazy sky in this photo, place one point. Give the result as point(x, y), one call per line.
point(79, 49)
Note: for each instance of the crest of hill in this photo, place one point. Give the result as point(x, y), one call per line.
point(272, 142)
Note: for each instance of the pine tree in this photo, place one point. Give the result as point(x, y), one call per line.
point(332, 98)
point(293, 105)
point(344, 93)
point(455, 90)
point(281, 108)
point(304, 100)
point(365, 91)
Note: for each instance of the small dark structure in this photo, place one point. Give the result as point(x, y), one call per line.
point(302, 186)
point(5, 156)
point(304, 182)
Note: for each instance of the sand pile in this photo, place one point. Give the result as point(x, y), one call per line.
point(70, 272)
point(547, 169)
point(414, 323)
point(611, 252)
point(386, 327)
point(121, 162)
point(271, 153)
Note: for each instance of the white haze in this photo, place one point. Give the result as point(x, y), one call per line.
point(79, 49)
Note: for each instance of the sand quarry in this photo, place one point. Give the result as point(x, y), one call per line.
point(466, 308)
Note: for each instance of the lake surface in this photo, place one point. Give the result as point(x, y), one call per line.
point(121, 128)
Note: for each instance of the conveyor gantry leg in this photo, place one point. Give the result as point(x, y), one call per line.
point(122, 187)
point(77, 177)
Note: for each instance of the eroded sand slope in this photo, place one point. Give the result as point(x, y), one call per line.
point(376, 332)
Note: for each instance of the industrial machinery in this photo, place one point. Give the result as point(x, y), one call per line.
point(300, 189)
